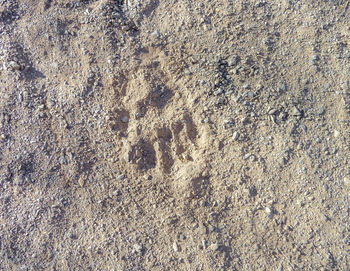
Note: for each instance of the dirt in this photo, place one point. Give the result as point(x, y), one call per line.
point(174, 135)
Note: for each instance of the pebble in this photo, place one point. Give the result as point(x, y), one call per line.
point(229, 93)
point(250, 94)
point(211, 228)
point(235, 136)
point(219, 91)
point(247, 156)
point(214, 247)
point(283, 115)
point(124, 119)
point(155, 34)
point(245, 120)
point(62, 160)
point(252, 191)
point(204, 243)
point(176, 247)
point(116, 193)
point(252, 158)
point(304, 127)
point(272, 111)
point(336, 133)
point(229, 122)
point(81, 181)
point(321, 111)
point(137, 247)
point(182, 237)
point(14, 66)
point(282, 87)
point(121, 177)
point(202, 228)
point(314, 59)
point(246, 86)
point(296, 111)
point(259, 86)
point(221, 100)
point(269, 212)
point(233, 60)
point(347, 181)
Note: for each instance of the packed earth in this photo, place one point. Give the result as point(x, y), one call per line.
point(174, 135)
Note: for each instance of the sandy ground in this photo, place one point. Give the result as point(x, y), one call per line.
point(174, 135)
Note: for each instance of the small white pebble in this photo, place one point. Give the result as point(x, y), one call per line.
point(336, 133)
point(347, 181)
point(214, 247)
point(81, 181)
point(175, 247)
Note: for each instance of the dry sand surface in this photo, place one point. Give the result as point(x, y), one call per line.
point(174, 135)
